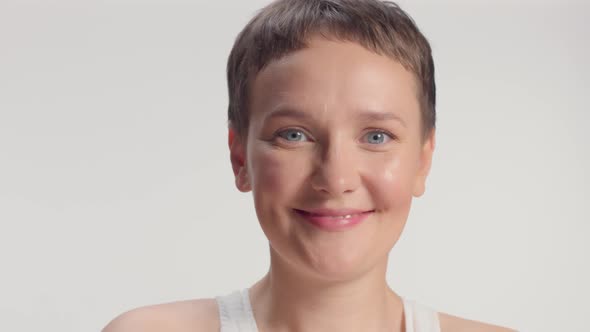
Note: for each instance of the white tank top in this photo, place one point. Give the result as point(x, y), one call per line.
point(235, 314)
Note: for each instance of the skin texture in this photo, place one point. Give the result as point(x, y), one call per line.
point(310, 145)
point(337, 162)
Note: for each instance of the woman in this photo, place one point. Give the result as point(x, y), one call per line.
point(332, 129)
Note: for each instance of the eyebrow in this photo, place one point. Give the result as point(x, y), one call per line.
point(287, 113)
point(366, 115)
point(381, 116)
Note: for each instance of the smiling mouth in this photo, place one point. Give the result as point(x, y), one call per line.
point(332, 216)
point(334, 220)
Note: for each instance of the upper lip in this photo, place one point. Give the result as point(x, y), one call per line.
point(333, 212)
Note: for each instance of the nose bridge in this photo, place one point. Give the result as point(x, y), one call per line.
point(336, 168)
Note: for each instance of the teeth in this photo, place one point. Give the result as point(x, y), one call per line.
point(347, 216)
point(341, 217)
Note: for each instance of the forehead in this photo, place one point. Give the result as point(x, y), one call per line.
point(338, 75)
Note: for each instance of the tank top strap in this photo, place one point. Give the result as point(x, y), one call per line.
point(235, 312)
point(420, 318)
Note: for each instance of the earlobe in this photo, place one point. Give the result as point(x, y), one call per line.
point(419, 188)
point(238, 157)
point(243, 181)
point(425, 163)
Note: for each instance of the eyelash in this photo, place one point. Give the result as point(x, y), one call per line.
point(381, 131)
point(278, 133)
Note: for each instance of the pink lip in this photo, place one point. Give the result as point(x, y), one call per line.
point(324, 218)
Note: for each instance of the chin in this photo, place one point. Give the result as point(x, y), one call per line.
point(335, 268)
point(328, 256)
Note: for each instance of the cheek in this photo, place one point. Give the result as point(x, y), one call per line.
point(275, 175)
point(276, 178)
point(390, 183)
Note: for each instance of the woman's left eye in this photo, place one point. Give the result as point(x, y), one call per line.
point(293, 135)
point(377, 137)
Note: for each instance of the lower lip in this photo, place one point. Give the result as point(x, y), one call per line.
point(334, 224)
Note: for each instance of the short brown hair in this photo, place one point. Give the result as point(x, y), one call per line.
point(283, 27)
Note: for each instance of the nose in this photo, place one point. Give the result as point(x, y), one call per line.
point(336, 170)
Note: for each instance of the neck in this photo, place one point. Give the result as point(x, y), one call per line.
point(288, 300)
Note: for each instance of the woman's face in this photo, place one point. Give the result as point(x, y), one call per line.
point(334, 131)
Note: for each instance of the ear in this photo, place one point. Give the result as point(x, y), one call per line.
point(424, 164)
point(237, 150)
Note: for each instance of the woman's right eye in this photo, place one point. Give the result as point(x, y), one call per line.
point(293, 135)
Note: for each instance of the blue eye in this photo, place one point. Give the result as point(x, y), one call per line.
point(377, 137)
point(292, 135)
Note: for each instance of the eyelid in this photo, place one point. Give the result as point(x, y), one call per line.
point(276, 135)
point(310, 138)
point(382, 131)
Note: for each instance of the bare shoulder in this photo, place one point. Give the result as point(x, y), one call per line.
point(450, 323)
point(200, 315)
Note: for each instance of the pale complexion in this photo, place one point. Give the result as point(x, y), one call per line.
point(337, 100)
point(333, 125)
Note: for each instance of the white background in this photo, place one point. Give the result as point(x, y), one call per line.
point(116, 189)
